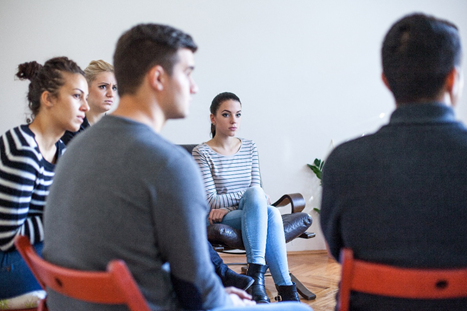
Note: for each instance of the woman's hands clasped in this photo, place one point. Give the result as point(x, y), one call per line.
point(216, 215)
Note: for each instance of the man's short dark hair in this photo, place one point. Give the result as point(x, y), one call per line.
point(143, 47)
point(418, 53)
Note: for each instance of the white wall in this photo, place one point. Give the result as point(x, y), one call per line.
point(307, 71)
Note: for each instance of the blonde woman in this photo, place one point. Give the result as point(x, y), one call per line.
point(102, 92)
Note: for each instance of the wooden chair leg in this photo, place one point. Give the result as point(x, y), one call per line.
point(244, 269)
point(43, 305)
point(301, 289)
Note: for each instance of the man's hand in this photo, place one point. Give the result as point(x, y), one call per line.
point(216, 215)
point(239, 297)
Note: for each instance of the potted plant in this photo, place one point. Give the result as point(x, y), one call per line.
point(317, 168)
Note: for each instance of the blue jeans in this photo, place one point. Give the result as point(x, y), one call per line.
point(15, 277)
point(281, 306)
point(262, 233)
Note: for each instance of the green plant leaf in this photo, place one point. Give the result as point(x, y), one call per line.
point(317, 210)
point(315, 170)
point(317, 162)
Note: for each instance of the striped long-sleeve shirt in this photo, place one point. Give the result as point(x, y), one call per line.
point(25, 178)
point(226, 178)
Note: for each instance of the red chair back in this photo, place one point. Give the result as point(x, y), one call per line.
point(379, 279)
point(114, 286)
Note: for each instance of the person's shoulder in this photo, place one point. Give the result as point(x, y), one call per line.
point(10, 132)
point(176, 159)
point(248, 145)
point(162, 150)
point(23, 131)
point(202, 146)
point(156, 144)
point(354, 150)
point(246, 141)
point(177, 150)
point(202, 149)
point(20, 148)
point(121, 131)
point(20, 138)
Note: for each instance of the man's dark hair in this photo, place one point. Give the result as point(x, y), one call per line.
point(143, 47)
point(418, 53)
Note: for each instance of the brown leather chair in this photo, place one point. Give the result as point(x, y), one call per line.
point(224, 237)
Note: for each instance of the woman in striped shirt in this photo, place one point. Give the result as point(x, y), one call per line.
point(29, 152)
point(230, 170)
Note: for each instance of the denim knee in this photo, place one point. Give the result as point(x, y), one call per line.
point(274, 215)
point(255, 193)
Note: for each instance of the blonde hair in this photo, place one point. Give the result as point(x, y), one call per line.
point(95, 67)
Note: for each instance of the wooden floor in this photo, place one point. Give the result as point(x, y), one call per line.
point(314, 269)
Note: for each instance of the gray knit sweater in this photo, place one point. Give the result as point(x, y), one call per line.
point(122, 191)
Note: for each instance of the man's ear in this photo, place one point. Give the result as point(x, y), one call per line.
point(451, 80)
point(453, 85)
point(46, 99)
point(157, 77)
point(385, 80)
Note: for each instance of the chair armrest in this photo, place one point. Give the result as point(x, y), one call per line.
point(296, 201)
point(307, 235)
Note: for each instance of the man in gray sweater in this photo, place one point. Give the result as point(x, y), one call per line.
point(123, 191)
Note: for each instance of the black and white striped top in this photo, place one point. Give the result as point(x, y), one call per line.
point(226, 178)
point(25, 178)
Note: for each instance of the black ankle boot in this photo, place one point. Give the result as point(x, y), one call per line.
point(257, 290)
point(227, 276)
point(230, 278)
point(287, 293)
